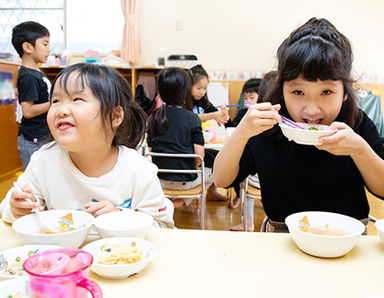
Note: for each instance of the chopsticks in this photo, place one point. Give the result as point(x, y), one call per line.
point(228, 106)
point(285, 120)
point(290, 123)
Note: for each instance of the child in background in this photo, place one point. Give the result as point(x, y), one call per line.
point(250, 94)
point(31, 42)
point(198, 102)
point(173, 129)
point(92, 164)
point(263, 87)
point(313, 86)
point(241, 99)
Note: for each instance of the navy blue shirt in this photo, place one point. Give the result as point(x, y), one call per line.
point(33, 85)
point(183, 131)
point(296, 178)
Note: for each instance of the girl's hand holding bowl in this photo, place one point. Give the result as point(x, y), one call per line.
point(343, 142)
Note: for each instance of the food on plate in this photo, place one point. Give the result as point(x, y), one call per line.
point(313, 128)
point(119, 254)
point(325, 230)
point(16, 295)
point(14, 268)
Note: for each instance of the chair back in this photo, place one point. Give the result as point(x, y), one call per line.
point(194, 193)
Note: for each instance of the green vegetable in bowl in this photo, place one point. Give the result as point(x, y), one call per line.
point(313, 128)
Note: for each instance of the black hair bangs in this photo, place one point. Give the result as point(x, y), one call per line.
point(313, 58)
point(81, 81)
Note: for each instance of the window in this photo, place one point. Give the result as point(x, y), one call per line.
point(75, 25)
point(50, 13)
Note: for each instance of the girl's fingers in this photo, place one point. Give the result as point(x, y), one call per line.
point(24, 203)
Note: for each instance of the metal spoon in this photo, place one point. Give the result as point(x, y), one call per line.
point(37, 211)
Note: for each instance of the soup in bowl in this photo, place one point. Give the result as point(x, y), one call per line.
point(72, 227)
point(324, 234)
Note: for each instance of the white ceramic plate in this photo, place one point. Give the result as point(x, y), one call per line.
point(119, 271)
point(17, 287)
point(13, 258)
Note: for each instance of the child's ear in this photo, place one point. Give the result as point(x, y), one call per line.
point(117, 117)
point(27, 47)
point(345, 97)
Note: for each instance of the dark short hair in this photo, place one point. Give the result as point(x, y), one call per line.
point(27, 32)
point(113, 90)
point(251, 85)
point(173, 84)
point(317, 51)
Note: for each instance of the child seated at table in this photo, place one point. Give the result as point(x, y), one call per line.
point(313, 86)
point(263, 87)
point(174, 129)
point(198, 102)
point(92, 165)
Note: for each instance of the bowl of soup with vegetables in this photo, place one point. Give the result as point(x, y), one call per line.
point(324, 234)
point(71, 227)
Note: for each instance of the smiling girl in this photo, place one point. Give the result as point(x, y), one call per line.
point(313, 86)
point(92, 165)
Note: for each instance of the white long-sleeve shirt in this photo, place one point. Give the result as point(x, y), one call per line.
point(58, 184)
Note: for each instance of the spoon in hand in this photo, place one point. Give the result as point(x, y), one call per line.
point(46, 225)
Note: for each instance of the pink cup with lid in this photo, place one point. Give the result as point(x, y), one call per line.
point(61, 273)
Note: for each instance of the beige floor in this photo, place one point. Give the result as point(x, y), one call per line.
point(220, 217)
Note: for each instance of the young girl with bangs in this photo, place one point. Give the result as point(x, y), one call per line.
point(314, 86)
point(92, 165)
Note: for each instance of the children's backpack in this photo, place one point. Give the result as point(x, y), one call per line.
point(143, 101)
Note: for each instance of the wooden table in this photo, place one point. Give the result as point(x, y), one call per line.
point(194, 263)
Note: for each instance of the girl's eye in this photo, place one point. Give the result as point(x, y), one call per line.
point(298, 92)
point(326, 92)
point(54, 101)
point(77, 99)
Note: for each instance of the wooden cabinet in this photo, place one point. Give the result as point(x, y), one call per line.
point(10, 161)
point(131, 74)
point(52, 72)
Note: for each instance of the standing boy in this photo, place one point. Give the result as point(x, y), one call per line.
point(31, 41)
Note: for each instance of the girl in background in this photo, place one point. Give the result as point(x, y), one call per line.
point(197, 101)
point(92, 164)
point(263, 87)
point(313, 86)
point(174, 129)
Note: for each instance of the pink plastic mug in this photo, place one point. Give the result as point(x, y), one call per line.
point(61, 273)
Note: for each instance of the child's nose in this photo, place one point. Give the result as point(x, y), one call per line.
point(312, 108)
point(64, 110)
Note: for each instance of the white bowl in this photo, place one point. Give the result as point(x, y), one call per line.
point(127, 223)
point(119, 271)
point(30, 229)
point(324, 245)
point(12, 287)
point(306, 136)
point(10, 258)
point(379, 224)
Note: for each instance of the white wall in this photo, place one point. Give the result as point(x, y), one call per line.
point(245, 34)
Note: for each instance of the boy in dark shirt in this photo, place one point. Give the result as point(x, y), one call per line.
point(31, 41)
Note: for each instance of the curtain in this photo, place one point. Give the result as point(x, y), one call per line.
point(130, 46)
